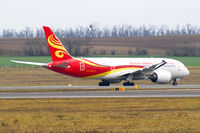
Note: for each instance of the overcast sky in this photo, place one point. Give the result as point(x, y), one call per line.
point(17, 14)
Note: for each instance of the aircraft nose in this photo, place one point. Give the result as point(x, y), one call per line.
point(186, 71)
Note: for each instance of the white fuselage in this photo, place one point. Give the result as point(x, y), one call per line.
point(176, 68)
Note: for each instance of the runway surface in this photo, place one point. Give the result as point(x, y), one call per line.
point(107, 94)
point(103, 87)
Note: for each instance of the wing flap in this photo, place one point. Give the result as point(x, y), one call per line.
point(144, 72)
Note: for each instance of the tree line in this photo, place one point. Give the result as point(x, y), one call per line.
point(93, 31)
point(81, 47)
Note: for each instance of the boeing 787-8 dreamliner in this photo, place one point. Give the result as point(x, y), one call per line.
point(110, 70)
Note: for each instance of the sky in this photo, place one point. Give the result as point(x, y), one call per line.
point(18, 14)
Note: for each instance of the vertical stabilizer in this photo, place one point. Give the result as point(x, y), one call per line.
point(57, 50)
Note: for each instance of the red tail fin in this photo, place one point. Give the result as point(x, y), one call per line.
point(57, 50)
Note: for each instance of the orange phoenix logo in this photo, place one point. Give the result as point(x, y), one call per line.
point(55, 43)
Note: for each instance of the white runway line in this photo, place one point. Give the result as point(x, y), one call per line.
point(103, 94)
point(103, 87)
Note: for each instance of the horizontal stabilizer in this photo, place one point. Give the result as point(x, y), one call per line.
point(62, 65)
point(31, 63)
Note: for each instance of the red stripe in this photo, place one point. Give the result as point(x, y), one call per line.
point(75, 71)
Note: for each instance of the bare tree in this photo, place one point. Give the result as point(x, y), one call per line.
point(130, 52)
point(78, 47)
point(113, 52)
point(139, 51)
point(39, 33)
point(115, 31)
point(102, 52)
point(183, 51)
point(36, 47)
point(8, 33)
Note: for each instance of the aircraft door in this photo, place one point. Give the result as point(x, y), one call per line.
point(82, 66)
point(112, 66)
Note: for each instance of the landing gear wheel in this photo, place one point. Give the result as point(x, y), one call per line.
point(175, 82)
point(128, 83)
point(104, 84)
point(101, 84)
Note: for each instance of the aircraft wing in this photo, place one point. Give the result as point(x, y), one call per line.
point(146, 71)
point(31, 63)
point(150, 69)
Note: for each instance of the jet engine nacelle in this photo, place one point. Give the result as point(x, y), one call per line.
point(161, 77)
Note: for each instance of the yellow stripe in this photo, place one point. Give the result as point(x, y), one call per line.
point(110, 72)
point(90, 63)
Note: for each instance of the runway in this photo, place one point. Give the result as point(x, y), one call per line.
point(183, 90)
point(103, 87)
point(107, 94)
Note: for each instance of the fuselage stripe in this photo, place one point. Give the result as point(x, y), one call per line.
point(90, 63)
point(110, 72)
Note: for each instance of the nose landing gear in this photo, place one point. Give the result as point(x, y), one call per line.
point(175, 82)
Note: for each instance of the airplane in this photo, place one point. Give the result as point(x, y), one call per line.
point(110, 70)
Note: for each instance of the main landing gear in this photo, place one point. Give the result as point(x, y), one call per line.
point(103, 83)
point(175, 82)
point(128, 83)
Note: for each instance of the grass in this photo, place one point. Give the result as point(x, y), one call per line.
point(5, 61)
point(100, 115)
point(188, 61)
point(28, 76)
